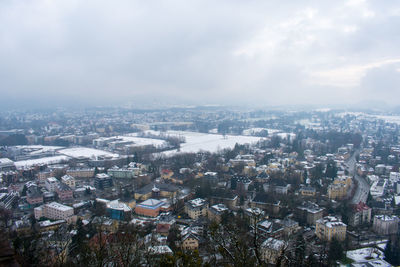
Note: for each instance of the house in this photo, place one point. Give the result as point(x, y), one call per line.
point(215, 212)
point(164, 224)
point(34, 196)
point(329, 228)
point(64, 192)
point(190, 239)
point(196, 208)
point(68, 180)
point(360, 214)
point(271, 249)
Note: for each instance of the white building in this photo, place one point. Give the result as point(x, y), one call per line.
point(51, 184)
point(55, 211)
point(385, 224)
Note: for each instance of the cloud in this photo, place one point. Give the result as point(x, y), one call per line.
point(196, 52)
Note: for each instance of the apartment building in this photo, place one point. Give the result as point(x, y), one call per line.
point(51, 184)
point(196, 208)
point(54, 211)
point(329, 228)
point(69, 180)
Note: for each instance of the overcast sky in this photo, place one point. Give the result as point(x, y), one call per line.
point(199, 52)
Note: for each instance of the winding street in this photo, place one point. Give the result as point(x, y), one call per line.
point(361, 193)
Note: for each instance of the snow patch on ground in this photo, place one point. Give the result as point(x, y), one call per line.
point(364, 254)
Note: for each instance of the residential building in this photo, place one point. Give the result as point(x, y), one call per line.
point(164, 224)
point(103, 181)
point(330, 227)
point(385, 224)
point(54, 211)
point(190, 241)
point(81, 172)
point(123, 173)
point(337, 191)
point(215, 212)
point(196, 208)
point(51, 184)
point(64, 192)
point(34, 196)
point(68, 180)
point(43, 175)
point(271, 249)
point(360, 214)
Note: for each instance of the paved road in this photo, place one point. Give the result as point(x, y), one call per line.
point(361, 193)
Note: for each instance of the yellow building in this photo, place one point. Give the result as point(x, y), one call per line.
point(308, 191)
point(337, 191)
point(346, 180)
point(329, 228)
point(156, 190)
point(190, 242)
point(339, 188)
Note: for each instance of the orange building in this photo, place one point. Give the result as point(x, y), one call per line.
point(150, 207)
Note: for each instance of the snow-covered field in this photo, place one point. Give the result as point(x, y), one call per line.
point(196, 142)
point(364, 254)
point(388, 119)
point(140, 141)
point(84, 152)
point(46, 160)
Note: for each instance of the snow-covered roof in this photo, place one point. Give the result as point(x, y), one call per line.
point(331, 221)
point(273, 243)
point(116, 205)
point(152, 202)
point(198, 202)
point(59, 206)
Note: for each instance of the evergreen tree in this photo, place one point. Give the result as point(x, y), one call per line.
point(24, 189)
point(392, 250)
point(388, 251)
point(300, 250)
point(335, 251)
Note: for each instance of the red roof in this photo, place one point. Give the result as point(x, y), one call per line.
point(361, 206)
